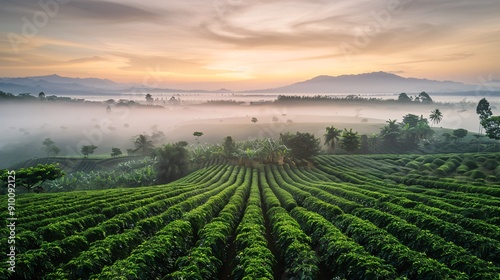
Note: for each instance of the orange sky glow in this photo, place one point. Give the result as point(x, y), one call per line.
point(242, 44)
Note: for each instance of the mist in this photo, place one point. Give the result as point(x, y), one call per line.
point(24, 125)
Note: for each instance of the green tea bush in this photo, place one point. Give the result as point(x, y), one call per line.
point(490, 164)
point(476, 174)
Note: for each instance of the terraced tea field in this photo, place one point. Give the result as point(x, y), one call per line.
point(349, 217)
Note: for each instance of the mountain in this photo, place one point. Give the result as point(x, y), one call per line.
point(54, 84)
point(375, 82)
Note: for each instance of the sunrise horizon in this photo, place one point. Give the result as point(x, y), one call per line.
point(241, 45)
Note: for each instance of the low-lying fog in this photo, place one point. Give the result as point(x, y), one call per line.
point(23, 126)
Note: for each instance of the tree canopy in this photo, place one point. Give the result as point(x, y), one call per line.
point(32, 177)
point(143, 146)
point(436, 116)
point(350, 141)
point(332, 136)
point(492, 127)
point(483, 109)
point(172, 162)
point(460, 133)
point(87, 150)
point(301, 145)
point(50, 148)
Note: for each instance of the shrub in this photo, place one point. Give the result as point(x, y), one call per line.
point(490, 164)
point(481, 159)
point(491, 178)
point(438, 162)
point(457, 158)
point(412, 165)
point(470, 163)
point(462, 169)
point(420, 158)
point(476, 174)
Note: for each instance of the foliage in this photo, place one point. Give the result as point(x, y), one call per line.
point(32, 177)
point(460, 133)
point(492, 127)
point(424, 97)
point(348, 217)
point(172, 162)
point(301, 145)
point(436, 116)
point(50, 148)
point(228, 147)
point(331, 136)
point(350, 141)
point(116, 152)
point(483, 109)
point(143, 146)
point(134, 173)
point(88, 150)
point(197, 135)
point(403, 97)
point(390, 132)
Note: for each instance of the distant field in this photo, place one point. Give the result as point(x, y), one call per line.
point(351, 217)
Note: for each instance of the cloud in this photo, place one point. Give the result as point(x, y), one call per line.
point(86, 60)
point(165, 64)
point(263, 38)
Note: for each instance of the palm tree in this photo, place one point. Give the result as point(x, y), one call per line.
point(331, 136)
point(436, 116)
point(390, 132)
point(172, 162)
point(143, 146)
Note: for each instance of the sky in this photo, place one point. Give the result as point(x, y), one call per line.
point(243, 44)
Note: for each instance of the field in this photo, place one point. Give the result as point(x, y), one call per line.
point(347, 217)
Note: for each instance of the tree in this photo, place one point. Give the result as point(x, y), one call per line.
point(390, 132)
point(115, 152)
point(50, 148)
point(436, 116)
point(172, 162)
point(483, 109)
point(331, 136)
point(143, 146)
point(365, 146)
point(350, 141)
point(271, 150)
point(411, 120)
point(149, 98)
point(301, 145)
point(403, 97)
point(88, 150)
point(198, 134)
point(460, 133)
point(33, 177)
point(254, 120)
point(424, 97)
point(492, 127)
point(228, 147)
point(447, 136)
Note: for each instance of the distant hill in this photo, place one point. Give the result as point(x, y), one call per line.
point(54, 84)
point(58, 85)
point(375, 82)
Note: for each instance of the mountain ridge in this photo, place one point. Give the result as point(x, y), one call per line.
point(372, 82)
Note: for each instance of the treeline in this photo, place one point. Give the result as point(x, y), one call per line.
point(422, 98)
